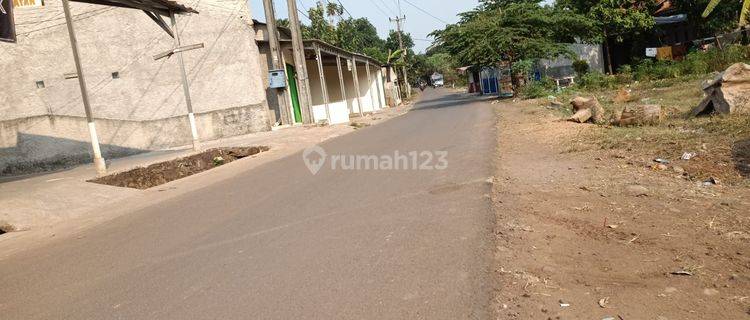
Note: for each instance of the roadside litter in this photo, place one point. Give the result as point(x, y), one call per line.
point(682, 273)
point(603, 302)
point(688, 155)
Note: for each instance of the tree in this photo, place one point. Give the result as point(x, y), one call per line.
point(334, 10)
point(359, 35)
point(319, 28)
point(284, 23)
point(444, 64)
point(391, 43)
point(514, 32)
point(744, 11)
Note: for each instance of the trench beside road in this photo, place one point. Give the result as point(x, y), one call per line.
point(277, 242)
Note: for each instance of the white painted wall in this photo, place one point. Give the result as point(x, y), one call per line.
point(337, 108)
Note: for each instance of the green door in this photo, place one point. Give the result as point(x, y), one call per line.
point(292, 79)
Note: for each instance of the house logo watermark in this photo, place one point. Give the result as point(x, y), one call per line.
point(316, 158)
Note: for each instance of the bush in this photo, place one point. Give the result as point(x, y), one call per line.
point(522, 67)
point(695, 63)
point(597, 80)
point(581, 67)
point(538, 89)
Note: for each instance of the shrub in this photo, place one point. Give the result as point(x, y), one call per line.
point(597, 80)
point(581, 67)
point(538, 89)
point(695, 63)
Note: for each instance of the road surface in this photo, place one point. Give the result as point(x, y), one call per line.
point(277, 242)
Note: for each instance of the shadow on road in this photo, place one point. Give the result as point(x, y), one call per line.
point(447, 101)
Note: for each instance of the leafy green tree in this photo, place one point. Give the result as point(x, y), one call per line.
point(391, 43)
point(284, 23)
point(359, 35)
point(444, 64)
point(319, 28)
point(744, 10)
point(514, 32)
point(615, 18)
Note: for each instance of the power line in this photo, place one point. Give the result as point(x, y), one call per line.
point(302, 4)
point(303, 14)
point(379, 8)
point(425, 12)
point(347, 11)
point(387, 7)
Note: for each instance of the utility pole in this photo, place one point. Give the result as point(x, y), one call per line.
point(299, 61)
point(99, 164)
point(185, 85)
point(276, 58)
point(403, 52)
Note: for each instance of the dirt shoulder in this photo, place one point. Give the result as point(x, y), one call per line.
point(603, 232)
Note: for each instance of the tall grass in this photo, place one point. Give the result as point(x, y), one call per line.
point(694, 64)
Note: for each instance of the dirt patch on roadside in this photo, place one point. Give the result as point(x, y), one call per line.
point(6, 227)
point(163, 172)
point(592, 233)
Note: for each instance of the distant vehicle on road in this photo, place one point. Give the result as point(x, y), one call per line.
point(437, 80)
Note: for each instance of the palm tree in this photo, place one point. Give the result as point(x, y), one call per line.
point(743, 12)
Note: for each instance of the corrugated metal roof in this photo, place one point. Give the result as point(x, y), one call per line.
point(158, 6)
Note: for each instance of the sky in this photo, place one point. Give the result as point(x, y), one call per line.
point(434, 14)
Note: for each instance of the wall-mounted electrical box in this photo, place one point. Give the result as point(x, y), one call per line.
point(276, 79)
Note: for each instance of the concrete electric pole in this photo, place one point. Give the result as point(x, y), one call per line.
point(299, 62)
point(403, 52)
point(99, 164)
point(276, 59)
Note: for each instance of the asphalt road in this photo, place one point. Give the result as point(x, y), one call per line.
point(277, 242)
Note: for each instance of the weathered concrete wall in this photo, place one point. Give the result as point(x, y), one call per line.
point(143, 109)
point(563, 67)
point(48, 142)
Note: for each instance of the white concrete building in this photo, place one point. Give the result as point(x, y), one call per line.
point(137, 102)
point(335, 99)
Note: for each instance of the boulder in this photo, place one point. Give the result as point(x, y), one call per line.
point(581, 116)
point(595, 111)
point(729, 93)
point(644, 114)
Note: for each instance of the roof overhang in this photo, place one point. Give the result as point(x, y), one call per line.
point(162, 7)
point(311, 44)
point(670, 19)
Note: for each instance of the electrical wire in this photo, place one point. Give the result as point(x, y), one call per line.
point(387, 7)
point(343, 7)
point(379, 8)
point(426, 12)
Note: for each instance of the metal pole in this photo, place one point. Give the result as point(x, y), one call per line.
point(378, 80)
point(299, 61)
point(185, 86)
point(369, 84)
point(276, 58)
point(323, 86)
point(342, 83)
point(99, 164)
point(356, 86)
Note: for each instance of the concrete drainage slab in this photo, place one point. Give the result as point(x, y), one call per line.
point(163, 172)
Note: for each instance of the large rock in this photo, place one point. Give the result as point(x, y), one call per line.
point(728, 93)
point(645, 114)
point(586, 109)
